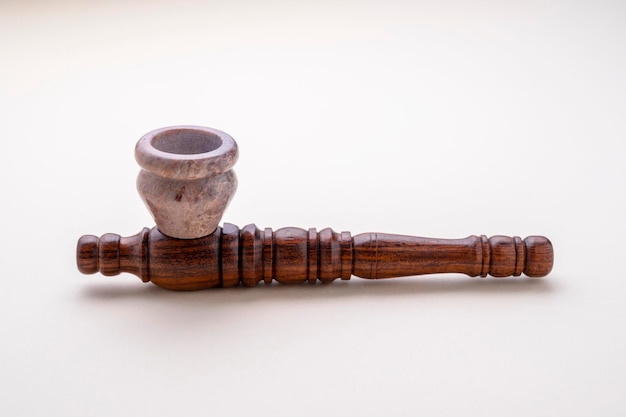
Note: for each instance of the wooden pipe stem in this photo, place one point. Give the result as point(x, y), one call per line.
point(230, 256)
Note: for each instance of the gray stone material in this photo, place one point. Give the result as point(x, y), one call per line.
point(187, 179)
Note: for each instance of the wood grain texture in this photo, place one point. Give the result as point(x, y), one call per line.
point(291, 255)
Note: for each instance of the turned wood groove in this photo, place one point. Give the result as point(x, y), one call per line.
point(291, 255)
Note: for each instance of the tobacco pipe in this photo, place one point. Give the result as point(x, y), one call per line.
point(187, 182)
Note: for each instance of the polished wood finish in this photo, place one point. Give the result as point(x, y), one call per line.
point(291, 255)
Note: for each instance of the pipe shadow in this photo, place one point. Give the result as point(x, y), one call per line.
point(417, 287)
point(158, 312)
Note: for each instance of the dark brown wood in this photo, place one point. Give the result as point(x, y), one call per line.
point(313, 251)
point(230, 255)
point(251, 249)
point(292, 255)
point(291, 252)
point(184, 264)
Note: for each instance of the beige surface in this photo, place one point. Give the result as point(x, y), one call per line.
point(525, 99)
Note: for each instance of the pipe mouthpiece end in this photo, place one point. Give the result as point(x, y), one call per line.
point(539, 256)
point(87, 254)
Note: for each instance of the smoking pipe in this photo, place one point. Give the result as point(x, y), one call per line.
point(187, 181)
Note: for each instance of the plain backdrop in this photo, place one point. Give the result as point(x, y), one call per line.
point(440, 119)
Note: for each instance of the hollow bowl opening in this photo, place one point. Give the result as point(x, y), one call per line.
point(186, 141)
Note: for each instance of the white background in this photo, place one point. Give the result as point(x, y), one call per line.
point(439, 119)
